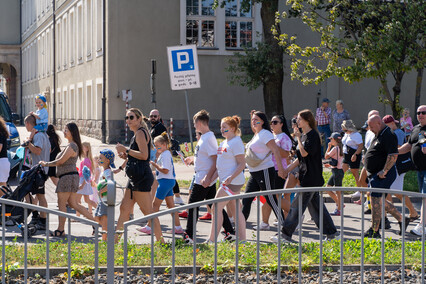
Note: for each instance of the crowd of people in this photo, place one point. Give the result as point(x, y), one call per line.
point(275, 158)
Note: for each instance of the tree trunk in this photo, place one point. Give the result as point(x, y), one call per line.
point(395, 102)
point(272, 88)
point(419, 80)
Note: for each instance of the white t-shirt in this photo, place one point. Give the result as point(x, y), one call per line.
point(165, 161)
point(206, 147)
point(226, 163)
point(369, 136)
point(258, 146)
point(351, 140)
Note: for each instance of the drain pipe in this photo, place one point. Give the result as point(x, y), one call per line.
point(20, 57)
point(104, 72)
point(54, 61)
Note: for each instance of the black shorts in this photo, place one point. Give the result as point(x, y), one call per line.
point(336, 177)
point(143, 183)
point(279, 182)
point(51, 172)
point(347, 159)
point(39, 190)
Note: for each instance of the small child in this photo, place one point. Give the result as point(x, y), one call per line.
point(41, 116)
point(95, 179)
point(106, 160)
point(166, 180)
point(335, 153)
point(406, 122)
point(85, 188)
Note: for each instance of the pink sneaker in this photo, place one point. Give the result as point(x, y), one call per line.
point(146, 230)
point(179, 231)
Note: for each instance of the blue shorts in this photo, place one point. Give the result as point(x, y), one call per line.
point(101, 210)
point(42, 127)
point(421, 177)
point(165, 188)
point(376, 182)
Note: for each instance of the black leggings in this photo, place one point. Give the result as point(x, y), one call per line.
point(262, 181)
point(176, 188)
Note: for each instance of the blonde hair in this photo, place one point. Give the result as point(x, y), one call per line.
point(139, 114)
point(89, 154)
point(163, 139)
point(233, 122)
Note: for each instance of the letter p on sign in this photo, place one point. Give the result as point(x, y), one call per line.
point(183, 60)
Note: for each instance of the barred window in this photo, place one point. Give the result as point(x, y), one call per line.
point(200, 23)
point(238, 25)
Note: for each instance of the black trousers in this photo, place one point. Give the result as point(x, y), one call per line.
point(310, 200)
point(199, 193)
point(262, 181)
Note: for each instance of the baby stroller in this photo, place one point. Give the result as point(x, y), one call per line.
point(32, 179)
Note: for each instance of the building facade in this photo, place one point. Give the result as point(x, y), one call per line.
point(83, 53)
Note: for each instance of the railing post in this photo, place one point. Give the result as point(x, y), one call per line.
point(111, 192)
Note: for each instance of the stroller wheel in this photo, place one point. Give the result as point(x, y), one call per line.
point(32, 230)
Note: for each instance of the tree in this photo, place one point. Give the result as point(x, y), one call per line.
point(262, 65)
point(360, 39)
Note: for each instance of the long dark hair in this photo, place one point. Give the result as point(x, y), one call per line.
point(263, 117)
point(284, 127)
point(3, 129)
point(75, 134)
point(51, 132)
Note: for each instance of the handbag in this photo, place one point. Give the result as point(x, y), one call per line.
point(252, 159)
point(134, 169)
point(404, 163)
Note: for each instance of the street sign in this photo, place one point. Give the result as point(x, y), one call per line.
point(183, 67)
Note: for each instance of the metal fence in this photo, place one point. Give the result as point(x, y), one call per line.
point(49, 212)
point(279, 192)
point(111, 234)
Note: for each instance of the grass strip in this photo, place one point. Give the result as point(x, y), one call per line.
point(140, 254)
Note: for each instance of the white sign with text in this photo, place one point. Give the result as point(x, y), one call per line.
point(183, 67)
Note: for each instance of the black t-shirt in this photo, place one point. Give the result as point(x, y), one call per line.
point(382, 145)
point(157, 129)
point(54, 150)
point(419, 159)
point(310, 167)
point(3, 141)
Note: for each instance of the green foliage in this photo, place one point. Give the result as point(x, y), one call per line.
point(78, 271)
point(10, 268)
point(357, 40)
point(254, 67)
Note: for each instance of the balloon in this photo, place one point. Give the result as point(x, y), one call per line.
point(20, 152)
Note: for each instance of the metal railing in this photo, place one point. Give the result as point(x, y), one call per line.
point(299, 190)
point(27, 206)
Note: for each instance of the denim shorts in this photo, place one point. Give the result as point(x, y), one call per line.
point(376, 182)
point(421, 178)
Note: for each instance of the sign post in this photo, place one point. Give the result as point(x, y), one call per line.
point(184, 73)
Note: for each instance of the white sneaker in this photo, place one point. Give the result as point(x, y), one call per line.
point(262, 226)
point(284, 240)
point(417, 230)
point(179, 201)
point(356, 195)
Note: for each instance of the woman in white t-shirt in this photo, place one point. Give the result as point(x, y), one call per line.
point(262, 172)
point(352, 148)
point(230, 166)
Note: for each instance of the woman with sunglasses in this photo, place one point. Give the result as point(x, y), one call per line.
point(139, 187)
point(262, 172)
point(310, 175)
point(284, 142)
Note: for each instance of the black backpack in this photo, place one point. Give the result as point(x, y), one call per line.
point(175, 146)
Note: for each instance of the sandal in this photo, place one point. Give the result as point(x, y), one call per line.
point(57, 233)
point(412, 219)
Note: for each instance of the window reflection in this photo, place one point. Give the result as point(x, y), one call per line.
point(207, 7)
point(191, 32)
point(207, 34)
point(192, 7)
point(230, 34)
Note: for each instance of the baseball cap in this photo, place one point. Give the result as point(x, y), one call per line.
point(389, 118)
point(365, 126)
point(335, 135)
point(109, 154)
point(325, 100)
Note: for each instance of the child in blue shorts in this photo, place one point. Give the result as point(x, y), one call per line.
point(166, 177)
point(41, 115)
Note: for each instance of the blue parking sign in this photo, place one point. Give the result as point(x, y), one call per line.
point(183, 60)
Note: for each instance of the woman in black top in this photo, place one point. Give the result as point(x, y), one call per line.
point(310, 175)
point(4, 161)
point(55, 148)
point(139, 186)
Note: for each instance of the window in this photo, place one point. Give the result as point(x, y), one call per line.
point(72, 37)
point(88, 101)
point(200, 23)
point(98, 106)
point(238, 26)
point(70, 102)
point(65, 41)
point(80, 33)
point(79, 102)
point(89, 29)
point(60, 102)
point(58, 45)
point(220, 31)
point(99, 27)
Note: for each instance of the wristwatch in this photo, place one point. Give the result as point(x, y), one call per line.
point(127, 151)
point(120, 167)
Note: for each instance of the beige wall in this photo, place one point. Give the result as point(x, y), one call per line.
point(10, 22)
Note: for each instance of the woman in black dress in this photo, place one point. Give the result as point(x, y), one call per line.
point(55, 148)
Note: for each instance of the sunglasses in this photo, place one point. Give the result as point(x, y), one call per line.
point(274, 122)
point(421, 112)
point(131, 117)
point(154, 116)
